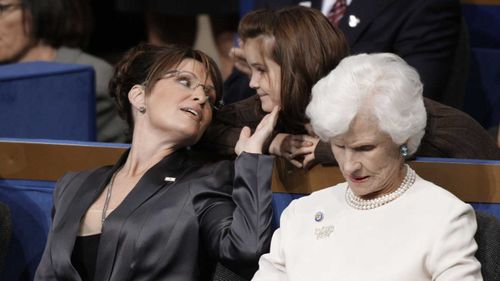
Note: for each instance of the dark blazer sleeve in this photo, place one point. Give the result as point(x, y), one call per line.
point(45, 270)
point(236, 230)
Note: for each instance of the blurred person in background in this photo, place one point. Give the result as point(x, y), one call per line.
point(57, 30)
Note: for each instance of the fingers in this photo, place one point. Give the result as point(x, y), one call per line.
point(295, 163)
point(274, 115)
point(269, 121)
point(245, 133)
point(306, 140)
point(303, 151)
point(237, 53)
point(240, 61)
point(308, 161)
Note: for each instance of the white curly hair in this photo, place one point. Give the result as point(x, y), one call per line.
point(385, 84)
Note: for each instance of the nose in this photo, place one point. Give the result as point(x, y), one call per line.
point(199, 95)
point(254, 81)
point(351, 164)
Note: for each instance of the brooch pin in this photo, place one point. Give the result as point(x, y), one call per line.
point(324, 231)
point(318, 216)
point(353, 21)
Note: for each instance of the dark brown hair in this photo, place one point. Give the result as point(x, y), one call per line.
point(59, 22)
point(306, 46)
point(146, 64)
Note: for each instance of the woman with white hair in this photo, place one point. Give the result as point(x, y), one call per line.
point(384, 222)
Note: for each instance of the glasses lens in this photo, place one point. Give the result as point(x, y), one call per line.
point(189, 80)
point(186, 79)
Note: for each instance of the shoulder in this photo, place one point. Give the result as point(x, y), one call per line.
point(72, 181)
point(453, 133)
point(74, 55)
point(246, 111)
point(322, 199)
point(437, 199)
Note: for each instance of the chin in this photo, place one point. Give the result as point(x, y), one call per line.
point(267, 106)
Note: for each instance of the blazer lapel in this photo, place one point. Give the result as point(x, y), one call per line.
point(73, 210)
point(359, 15)
point(163, 175)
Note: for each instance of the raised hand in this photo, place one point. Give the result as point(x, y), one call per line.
point(240, 61)
point(253, 143)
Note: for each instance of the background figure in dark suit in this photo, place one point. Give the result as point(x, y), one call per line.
point(428, 34)
point(158, 213)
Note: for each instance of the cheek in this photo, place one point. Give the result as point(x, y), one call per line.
point(208, 115)
point(275, 85)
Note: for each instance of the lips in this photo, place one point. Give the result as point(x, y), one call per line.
point(357, 179)
point(193, 112)
point(261, 94)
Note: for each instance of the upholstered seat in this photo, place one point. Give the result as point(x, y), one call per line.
point(47, 100)
point(488, 240)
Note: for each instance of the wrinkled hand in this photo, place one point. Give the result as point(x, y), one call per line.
point(253, 143)
point(297, 149)
point(240, 62)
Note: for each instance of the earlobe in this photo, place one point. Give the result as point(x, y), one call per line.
point(137, 98)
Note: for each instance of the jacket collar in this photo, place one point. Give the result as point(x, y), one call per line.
point(174, 165)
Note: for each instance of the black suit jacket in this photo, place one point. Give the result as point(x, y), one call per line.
point(425, 33)
point(168, 230)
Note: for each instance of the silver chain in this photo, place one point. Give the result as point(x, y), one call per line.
point(108, 197)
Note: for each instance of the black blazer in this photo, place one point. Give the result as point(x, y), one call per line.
point(425, 33)
point(168, 230)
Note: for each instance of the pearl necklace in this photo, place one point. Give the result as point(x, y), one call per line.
point(362, 204)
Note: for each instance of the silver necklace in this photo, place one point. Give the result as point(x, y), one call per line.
point(363, 204)
point(108, 198)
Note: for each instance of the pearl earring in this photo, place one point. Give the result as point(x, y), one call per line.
point(403, 150)
point(142, 109)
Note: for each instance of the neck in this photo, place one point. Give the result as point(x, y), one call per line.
point(146, 150)
point(39, 52)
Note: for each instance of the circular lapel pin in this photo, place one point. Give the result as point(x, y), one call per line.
point(318, 216)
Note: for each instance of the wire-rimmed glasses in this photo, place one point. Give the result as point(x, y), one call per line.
point(190, 81)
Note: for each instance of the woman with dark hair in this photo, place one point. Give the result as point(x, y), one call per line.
point(160, 213)
point(286, 51)
point(56, 30)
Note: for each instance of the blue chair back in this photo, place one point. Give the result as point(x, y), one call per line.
point(28, 173)
point(47, 100)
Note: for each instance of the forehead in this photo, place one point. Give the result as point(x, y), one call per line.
point(364, 128)
point(258, 48)
point(195, 67)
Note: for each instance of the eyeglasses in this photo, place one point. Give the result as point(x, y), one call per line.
point(188, 80)
point(4, 8)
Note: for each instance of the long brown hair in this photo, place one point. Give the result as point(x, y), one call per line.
point(306, 46)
